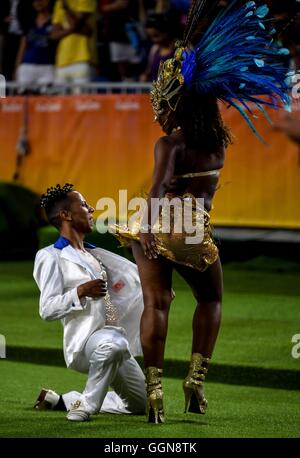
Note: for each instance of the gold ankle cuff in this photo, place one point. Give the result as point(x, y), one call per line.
point(155, 410)
point(193, 385)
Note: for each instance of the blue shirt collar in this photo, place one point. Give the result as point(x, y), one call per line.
point(62, 242)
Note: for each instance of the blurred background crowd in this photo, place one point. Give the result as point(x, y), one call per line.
point(78, 41)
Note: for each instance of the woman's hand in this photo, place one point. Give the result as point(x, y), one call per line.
point(148, 245)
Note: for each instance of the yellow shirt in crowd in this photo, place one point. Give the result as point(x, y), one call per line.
point(76, 48)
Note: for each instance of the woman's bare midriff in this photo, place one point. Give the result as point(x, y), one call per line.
point(194, 161)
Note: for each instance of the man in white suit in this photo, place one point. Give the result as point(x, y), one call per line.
point(97, 296)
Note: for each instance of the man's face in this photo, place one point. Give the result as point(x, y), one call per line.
point(81, 213)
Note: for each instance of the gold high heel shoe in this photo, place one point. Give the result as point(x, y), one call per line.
point(195, 401)
point(155, 409)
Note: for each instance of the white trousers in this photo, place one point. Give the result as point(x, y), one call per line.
point(111, 365)
point(33, 73)
point(123, 52)
point(79, 73)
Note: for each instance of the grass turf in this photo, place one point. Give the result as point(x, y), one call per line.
point(252, 385)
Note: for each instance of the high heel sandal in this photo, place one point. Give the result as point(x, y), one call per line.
point(195, 401)
point(155, 409)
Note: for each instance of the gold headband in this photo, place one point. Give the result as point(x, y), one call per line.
point(165, 93)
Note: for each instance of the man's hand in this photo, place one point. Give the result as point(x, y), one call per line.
point(290, 125)
point(94, 288)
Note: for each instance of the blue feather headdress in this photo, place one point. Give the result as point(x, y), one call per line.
point(235, 60)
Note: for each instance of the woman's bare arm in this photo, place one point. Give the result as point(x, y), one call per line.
point(164, 166)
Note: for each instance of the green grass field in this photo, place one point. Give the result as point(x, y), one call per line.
point(253, 383)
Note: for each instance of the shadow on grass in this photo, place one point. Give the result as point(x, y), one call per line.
point(218, 373)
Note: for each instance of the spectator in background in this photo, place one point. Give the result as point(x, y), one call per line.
point(4, 13)
point(16, 17)
point(117, 14)
point(36, 56)
point(74, 27)
point(11, 36)
point(162, 6)
point(182, 9)
point(161, 33)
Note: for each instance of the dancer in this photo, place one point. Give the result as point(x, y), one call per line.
point(233, 59)
point(97, 296)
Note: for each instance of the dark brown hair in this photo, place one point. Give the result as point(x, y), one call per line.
point(201, 122)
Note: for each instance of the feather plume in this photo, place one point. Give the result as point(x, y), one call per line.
point(237, 61)
point(198, 17)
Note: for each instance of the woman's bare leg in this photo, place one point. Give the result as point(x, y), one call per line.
point(207, 288)
point(156, 280)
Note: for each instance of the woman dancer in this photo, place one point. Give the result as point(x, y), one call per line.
point(235, 61)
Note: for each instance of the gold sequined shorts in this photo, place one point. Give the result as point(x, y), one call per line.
point(193, 249)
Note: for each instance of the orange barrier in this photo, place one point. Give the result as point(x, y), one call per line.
point(104, 143)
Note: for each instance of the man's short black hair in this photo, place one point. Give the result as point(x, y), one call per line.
point(54, 200)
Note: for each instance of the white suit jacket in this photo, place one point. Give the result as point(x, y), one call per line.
point(58, 271)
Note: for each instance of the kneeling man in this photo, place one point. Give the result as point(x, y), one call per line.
point(97, 296)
